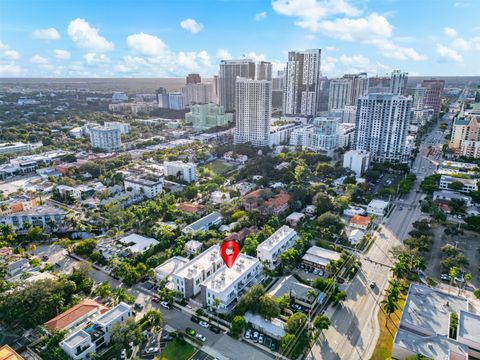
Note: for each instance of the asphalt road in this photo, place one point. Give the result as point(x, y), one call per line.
point(355, 329)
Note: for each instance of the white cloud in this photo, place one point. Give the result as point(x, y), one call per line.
point(331, 48)
point(450, 32)
point(145, 44)
point(193, 60)
point(39, 60)
point(448, 55)
point(329, 65)
point(96, 59)
point(61, 54)
point(223, 54)
point(87, 37)
point(374, 26)
point(461, 44)
point(391, 50)
point(260, 16)
point(311, 11)
point(9, 54)
point(191, 25)
point(46, 34)
point(8, 69)
point(310, 37)
point(255, 57)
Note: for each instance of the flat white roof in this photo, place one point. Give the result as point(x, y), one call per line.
point(469, 326)
point(276, 238)
point(199, 263)
point(171, 265)
point(113, 314)
point(140, 243)
point(224, 277)
point(378, 204)
point(429, 309)
point(76, 338)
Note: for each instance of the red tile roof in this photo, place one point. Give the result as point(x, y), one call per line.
point(68, 317)
point(280, 199)
point(191, 208)
point(360, 220)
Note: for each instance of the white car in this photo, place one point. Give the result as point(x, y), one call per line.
point(165, 305)
point(152, 350)
point(201, 337)
point(248, 334)
point(204, 324)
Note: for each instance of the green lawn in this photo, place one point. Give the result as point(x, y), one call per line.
point(219, 167)
point(383, 349)
point(174, 351)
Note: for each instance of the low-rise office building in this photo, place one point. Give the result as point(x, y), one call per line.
point(150, 185)
point(319, 258)
point(468, 184)
point(424, 326)
point(448, 195)
point(377, 207)
point(281, 240)
point(17, 147)
point(45, 216)
point(227, 284)
point(205, 223)
point(79, 344)
point(187, 279)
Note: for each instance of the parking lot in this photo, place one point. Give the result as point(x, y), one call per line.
point(261, 339)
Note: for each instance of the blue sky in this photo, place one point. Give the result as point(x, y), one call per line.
point(156, 38)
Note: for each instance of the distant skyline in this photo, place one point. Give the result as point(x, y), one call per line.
point(140, 38)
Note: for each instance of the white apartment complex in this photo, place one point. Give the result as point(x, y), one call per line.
point(8, 148)
point(150, 185)
point(185, 171)
point(227, 284)
point(105, 138)
point(253, 111)
point(79, 344)
point(44, 216)
point(206, 116)
point(176, 101)
point(123, 127)
point(281, 240)
point(382, 126)
point(357, 161)
point(188, 278)
point(468, 184)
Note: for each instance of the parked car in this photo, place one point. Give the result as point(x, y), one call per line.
point(260, 339)
point(316, 272)
point(445, 277)
point(190, 331)
point(155, 299)
point(44, 257)
point(165, 305)
point(138, 307)
point(167, 337)
point(201, 337)
point(248, 334)
point(255, 336)
point(372, 285)
point(297, 307)
point(204, 324)
point(195, 319)
point(215, 329)
point(123, 354)
point(273, 346)
point(152, 350)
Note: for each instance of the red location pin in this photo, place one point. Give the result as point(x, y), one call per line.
point(229, 252)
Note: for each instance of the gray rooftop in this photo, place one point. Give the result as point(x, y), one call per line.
point(434, 347)
point(76, 338)
point(113, 314)
point(290, 285)
point(40, 211)
point(428, 309)
point(212, 217)
point(469, 326)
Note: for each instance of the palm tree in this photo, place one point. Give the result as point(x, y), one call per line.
point(400, 269)
point(311, 295)
point(321, 322)
point(467, 277)
point(215, 305)
point(394, 289)
point(154, 318)
point(119, 294)
point(389, 305)
point(453, 272)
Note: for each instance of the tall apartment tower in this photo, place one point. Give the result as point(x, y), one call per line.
point(419, 97)
point(382, 126)
point(398, 82)
point(254, 107)
point(193, 79)
point(162, 97)
point(229, 71)
point(359, 86)
point(302, 83)
point(433, 95)
point(340, 93)
point(264, 70)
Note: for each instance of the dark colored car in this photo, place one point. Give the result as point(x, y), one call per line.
point(215, 329)
point(195, 319)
